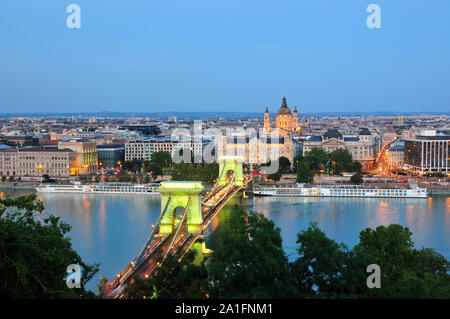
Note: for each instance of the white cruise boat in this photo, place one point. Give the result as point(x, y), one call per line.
point(302, 190)
point(106, 188)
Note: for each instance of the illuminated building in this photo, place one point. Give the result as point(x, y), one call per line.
point(428, 153)
point(144, 147)
point(363, 147)
point(109, 156)
point(86, 156)
point(267, 121)
point(285, 122)
point(35, 162)
point(396, 155)
point(255, 148)
point(19, 141)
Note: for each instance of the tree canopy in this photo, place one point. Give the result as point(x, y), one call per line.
point(341, 160)
point(304, 173)
point(35, 253)
point(249, 262)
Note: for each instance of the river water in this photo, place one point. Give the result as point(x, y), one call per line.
point(111, 229)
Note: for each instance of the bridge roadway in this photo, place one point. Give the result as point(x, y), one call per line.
point(214, 202)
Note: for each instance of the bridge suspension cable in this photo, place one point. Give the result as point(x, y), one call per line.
point(152, 234)
point(178, 230)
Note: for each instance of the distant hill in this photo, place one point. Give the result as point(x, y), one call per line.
point(204, 115)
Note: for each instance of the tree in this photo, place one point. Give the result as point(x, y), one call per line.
point(357, 167)
point(391, 247)
point(123, 177)
point(356, 178)
point(342, 160)
point(206, 172)
point(134, 165)
point(316, 157)
point(285, 164)
point(304, 173)
point(35, 253)
point(154, 170)
point(249, 261)
point(275, 176)
point(163, 159)
point(321, 263)
point(172, 280)
point(406, 272)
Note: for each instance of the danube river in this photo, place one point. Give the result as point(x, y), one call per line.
point(111, 229)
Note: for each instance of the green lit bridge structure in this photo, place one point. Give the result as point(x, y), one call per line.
point(183, 222)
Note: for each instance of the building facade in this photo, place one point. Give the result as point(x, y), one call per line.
point(285, 122)
point(86, 156)
point(396, 155)
point(35, 162)
point(257, 149)
point(427, 154)
point(110, 156)
point(143, 148)
point(363, 146)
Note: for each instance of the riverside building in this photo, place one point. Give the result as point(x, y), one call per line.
point(36, 162)
point(428, 153)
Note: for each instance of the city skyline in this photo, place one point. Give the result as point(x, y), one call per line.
point(202, 56)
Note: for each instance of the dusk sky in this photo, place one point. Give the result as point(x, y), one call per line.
point(216, 55)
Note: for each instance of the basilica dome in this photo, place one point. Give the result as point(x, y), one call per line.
point(284, 109)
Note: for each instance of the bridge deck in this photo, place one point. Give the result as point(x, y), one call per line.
point(151, 257)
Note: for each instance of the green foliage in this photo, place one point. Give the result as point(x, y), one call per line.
point(304, 173)
point(162, 159)
point(124, 177)
point(357, 167)
point(275, 176)
point(249, 262)
point(249, 249)
point(206, 172)
point(134, 165)
point(356, 178)
point(173, 280)
point(342, 160)
point(406, 272)
point(285, 164)
point(35, 253)
point(321, 263)
point(316, 158)
point(154, 169)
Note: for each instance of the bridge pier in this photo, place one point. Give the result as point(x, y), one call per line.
point(183, 194)
point(231, 163)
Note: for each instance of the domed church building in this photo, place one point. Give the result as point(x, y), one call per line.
point(285, 121)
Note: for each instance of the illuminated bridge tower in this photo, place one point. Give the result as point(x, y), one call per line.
point(176, 194)
point(231, 163)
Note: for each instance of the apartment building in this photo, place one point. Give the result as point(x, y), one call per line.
point(143, 148)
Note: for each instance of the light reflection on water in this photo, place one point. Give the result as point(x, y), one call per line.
point(343, 218)
point(111, 229)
